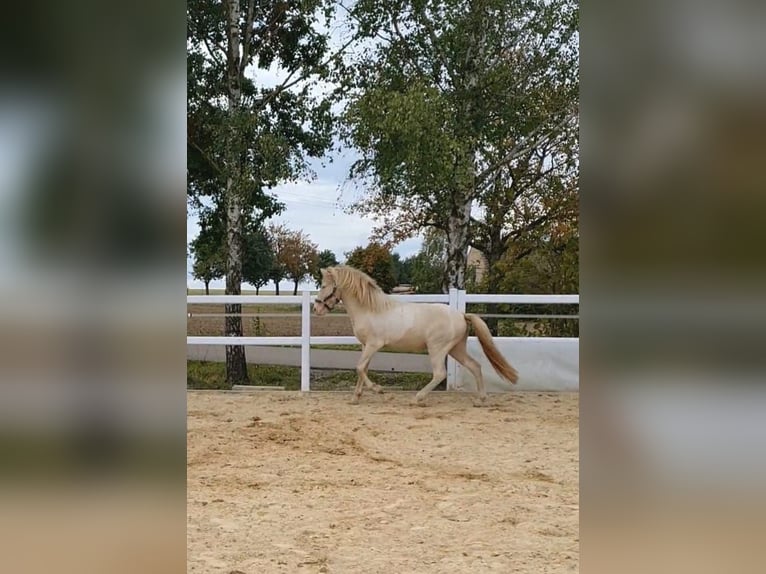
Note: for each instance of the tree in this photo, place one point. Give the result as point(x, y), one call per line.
point(528, 201)
point(326, 258)
point(402, 269)
point(209, 251)
point(428, 267)
point(451, 94)
point(277, 235)
point(207, 266)
point(295, 256)
point(551, 267)
point(377, 262)
point(299, 257)
point(258, 259)
point(209, 258)
point(242, 137)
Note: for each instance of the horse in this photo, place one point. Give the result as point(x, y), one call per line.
point(380, 320)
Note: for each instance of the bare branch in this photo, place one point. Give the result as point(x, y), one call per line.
point(214, 55)
point(207, 157)
point(207, 40)
point(287, 84)
point(432, 36)
point(246, 47)
point(378, 33)
point(536, 138)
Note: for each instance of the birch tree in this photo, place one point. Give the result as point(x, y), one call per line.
point(448, 94)
point(245, 136)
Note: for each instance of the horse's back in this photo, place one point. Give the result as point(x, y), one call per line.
point(412, 326)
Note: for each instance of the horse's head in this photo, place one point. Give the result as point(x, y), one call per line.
point(328, 295)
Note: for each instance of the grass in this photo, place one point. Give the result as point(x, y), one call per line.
point(209, 375)
point(359, 348)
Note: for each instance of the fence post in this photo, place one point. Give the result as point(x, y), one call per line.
point(306, 341)
point(451, 363)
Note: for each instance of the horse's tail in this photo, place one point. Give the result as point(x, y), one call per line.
point(498, 362)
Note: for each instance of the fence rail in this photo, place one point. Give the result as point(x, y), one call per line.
point(456, 299)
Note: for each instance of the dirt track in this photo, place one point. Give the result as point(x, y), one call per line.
point(279, 482)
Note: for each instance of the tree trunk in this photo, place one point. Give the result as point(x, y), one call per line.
point(276, 285)
point(207, 287)
point(257, 289)
point(457, 244)
point(295, 290)
point(460, 210)
point(236, 365)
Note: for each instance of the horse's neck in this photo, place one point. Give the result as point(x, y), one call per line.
point(355, 309)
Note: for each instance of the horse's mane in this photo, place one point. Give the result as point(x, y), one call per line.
point(361, 287)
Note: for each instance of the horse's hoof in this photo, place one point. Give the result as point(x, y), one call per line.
point(418, 402)
point(480, 402)
point(378, 389)
point(354, 401)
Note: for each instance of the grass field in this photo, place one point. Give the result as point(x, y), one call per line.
point(190, 291)
point(200, 324)
point(208, 375)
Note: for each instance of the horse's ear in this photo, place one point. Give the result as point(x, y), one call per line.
point(326, 274)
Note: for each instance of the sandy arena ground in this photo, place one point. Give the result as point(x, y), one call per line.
point(280, 482)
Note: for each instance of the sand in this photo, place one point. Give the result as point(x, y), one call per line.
point(281, 482)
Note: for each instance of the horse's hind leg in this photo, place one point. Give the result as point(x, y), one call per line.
point(460, 354)
point(368, 351)
point(439, 370)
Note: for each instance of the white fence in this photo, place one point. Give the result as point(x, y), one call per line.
point(456, 299)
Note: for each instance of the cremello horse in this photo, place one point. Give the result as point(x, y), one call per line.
point(380, 320)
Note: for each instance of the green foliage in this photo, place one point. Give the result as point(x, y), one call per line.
point(375, 260)
point(326, 258)
point(552, 267)
point(273, 128)
point(428, 266)
point(209, 256)
point(209, 252)
point(258, 258)
point(402, 269)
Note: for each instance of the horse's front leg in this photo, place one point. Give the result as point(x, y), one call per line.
point(438, 356)
point(369, 349)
